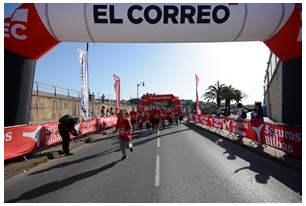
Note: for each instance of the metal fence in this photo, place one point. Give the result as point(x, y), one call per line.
point(272, 65)
point(40, 88)
point(43, 88)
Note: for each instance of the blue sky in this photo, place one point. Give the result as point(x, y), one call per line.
point(165, 68)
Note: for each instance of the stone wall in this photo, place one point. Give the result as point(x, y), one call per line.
point(46, 107)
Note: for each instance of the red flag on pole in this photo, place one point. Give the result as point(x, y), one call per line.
point(198, 110)
point(117, 92)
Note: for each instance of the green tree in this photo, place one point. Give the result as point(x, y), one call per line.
point(228, 95)
point(239, 95)
point(214, 93)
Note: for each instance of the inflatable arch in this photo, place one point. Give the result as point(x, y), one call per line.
point(146, 100)
point(34, 29)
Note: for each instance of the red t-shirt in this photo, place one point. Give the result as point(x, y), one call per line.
point(156, 113)
point(133, 115)
point(124, 127)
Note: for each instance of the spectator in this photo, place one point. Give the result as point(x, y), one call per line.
point(66, 126)
point(107, 112)
point(103, 111)
point(102, 98)
point(241, 112)
point(258, 113)
point(111, 111)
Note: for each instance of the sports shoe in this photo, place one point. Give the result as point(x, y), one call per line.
point(124, 157)
point(131, 149)
point(68, 154)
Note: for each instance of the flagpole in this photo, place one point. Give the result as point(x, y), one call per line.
point(87, 46)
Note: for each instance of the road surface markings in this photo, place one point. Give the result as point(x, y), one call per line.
point(156, 180)
point(158, 142)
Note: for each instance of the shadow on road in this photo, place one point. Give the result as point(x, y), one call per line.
point(64, 164)
point(55, 185)
point(260, 165)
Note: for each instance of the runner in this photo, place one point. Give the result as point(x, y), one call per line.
point(163, 118)
point(176, 114)
point(133, 115)
point(156, 120)
point(124, 127)
point(141, 120)
point(147, 119)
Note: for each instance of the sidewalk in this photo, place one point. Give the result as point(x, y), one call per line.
point(21, 165)
point(267, 151)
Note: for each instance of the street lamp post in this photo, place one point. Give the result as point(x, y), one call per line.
point(141, 83)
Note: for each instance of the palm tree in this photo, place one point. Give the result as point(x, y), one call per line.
point(214, 93)
point(239, 95)
point(227, 94)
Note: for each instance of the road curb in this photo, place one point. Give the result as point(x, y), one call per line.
point(285, 160)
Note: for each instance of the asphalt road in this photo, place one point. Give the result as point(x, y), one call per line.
point(181, 164)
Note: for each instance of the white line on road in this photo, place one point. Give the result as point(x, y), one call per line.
point(158, 142)
point(156, 180)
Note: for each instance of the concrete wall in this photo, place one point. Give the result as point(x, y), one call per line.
point(274, 94)
point(284, 93)
point(46, 107)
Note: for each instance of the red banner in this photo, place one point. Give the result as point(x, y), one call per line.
point(198, 110)
point(287, 139)
point(50, 134)
point(117, 91)
point(21, 140)
point(88, 126)
point(109, 121)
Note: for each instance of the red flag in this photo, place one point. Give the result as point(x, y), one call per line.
point(198, 110)
point(117, 91)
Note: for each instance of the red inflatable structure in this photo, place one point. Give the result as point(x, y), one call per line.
point(146, 100)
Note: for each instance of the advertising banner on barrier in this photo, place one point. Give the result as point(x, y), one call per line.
point(88, 126)
point(50, 134)
point(21, 140)
point(109, 121)
point(282, 137)
point(287, 139)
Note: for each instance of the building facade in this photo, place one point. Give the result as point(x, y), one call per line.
point(283, 90)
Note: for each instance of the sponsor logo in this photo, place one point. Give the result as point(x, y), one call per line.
point(17, 26)
point(34, 135)
point(165, 14)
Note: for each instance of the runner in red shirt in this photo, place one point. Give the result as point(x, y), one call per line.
point(141, 120)
point(163, 118)
point(133, 115)
point(156, 119)
point(124, 127)
point(147, 119)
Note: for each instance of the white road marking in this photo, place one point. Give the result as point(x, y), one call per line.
point(156, 180)
point(158, 142)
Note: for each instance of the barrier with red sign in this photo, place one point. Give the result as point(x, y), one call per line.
point(283, 137)
point(22, 140)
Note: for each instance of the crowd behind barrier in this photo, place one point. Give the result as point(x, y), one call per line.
point(283, 137)
point(22, 140)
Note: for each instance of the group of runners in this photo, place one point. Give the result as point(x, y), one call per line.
point(155, 118)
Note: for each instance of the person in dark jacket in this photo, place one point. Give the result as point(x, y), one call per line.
point(258, 113)
point(65, 127)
